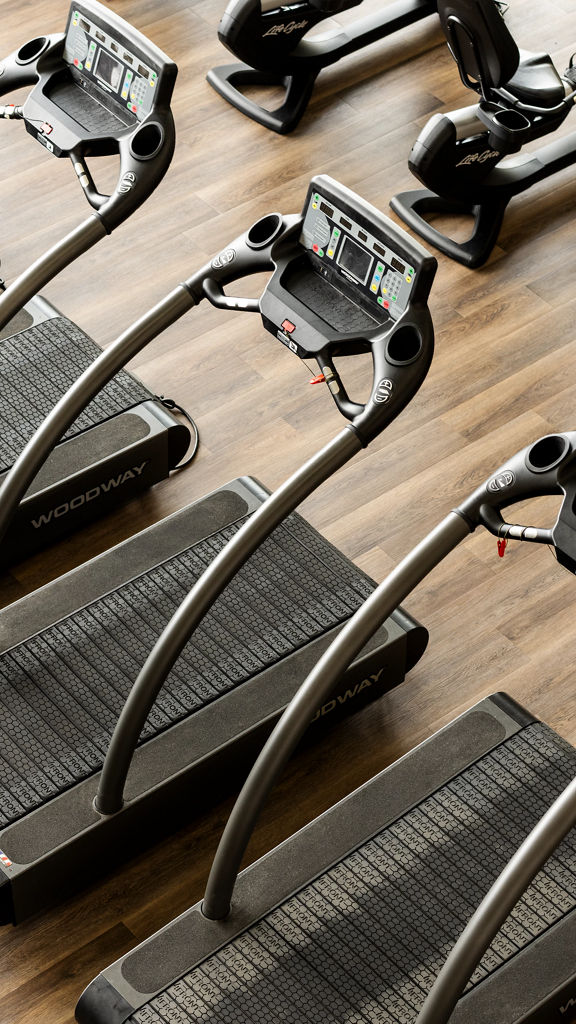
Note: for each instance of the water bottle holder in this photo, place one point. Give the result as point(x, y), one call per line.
point(508, 128)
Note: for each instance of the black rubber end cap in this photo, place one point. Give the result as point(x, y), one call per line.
point(100, 1003)
point(6, 907)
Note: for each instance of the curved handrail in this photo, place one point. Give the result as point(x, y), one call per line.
point(317, 687)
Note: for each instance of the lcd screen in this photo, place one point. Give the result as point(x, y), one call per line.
point(108, 70)
point(355, 260)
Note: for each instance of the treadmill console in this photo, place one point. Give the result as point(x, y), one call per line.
point(351, 251)
point(117, 69)
point(347, 277)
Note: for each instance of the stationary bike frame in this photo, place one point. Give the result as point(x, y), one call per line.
point(270, 41)
point(470, 162)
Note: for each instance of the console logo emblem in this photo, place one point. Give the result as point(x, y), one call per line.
point(223, 258)
point(127, 182)
point(383, 391)
point(501, 482)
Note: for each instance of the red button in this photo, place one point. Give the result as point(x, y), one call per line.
point(314, 247)
point(386, 304)
point(288, 327)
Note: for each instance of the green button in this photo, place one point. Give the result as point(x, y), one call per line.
point(380, 299)
point(320, 252)
point(393, 297)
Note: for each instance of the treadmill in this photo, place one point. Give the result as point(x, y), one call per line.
point(99, 88)
point(71, 653)
point(353, 916)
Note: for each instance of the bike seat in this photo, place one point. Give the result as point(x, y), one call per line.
point(536, 81)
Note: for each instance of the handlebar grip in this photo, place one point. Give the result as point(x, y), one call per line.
point(150, 147)
point(214, 292)
point(401, 361)
point(548, 466)
point(351, 410)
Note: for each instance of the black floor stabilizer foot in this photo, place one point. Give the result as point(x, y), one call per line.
point(229, 79)
point(413, 207)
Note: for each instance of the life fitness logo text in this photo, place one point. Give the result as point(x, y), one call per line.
point(383, 392)
point(478, 158)
point(501, 481)
point(287, 29)
point(128, 181)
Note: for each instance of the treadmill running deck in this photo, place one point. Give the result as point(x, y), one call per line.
point(364, 937)
point(37, 366)
point(70, 652)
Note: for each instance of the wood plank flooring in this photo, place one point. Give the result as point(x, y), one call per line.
point(504, 373)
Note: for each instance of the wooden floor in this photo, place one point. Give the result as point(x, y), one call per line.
point(504, 373)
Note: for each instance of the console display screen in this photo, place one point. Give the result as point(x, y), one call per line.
point(364, 255)
point(355, 260)
point(108, 70)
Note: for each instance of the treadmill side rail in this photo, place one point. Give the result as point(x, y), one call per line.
point(88, 475)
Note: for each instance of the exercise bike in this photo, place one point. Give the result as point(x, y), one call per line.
point(269, 40)
point(462, 157)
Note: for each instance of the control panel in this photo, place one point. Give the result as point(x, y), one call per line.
point(344, 247)
point(109, 66)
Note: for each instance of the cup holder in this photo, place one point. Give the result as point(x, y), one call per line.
point(264, 231)
point(32, 50)
point(510, 120)
point(508, 129)
point(404, 346)
point(147, 140)
point(546, 453)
